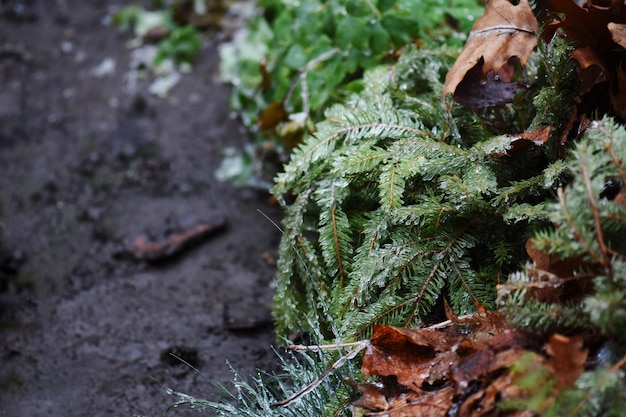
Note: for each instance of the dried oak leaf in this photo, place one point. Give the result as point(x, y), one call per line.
point(567, 358)
point(423, 370)
point(503, 32)
point(408, 354)
point(393, 400)
point(618, 33)
point(595, 29)
point(477, 92)
point(587, 23)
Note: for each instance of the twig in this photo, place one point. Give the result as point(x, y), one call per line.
point(335, 346)
point(605, 377)
point(596, 217)
point(373, 9)
point(448, 323)
point(338, 363)
point(309, 66)
point(616, 160)
point(579, 236)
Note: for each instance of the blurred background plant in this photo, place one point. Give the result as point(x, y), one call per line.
point(295, 59)
point(167, 38)
point(290, 62)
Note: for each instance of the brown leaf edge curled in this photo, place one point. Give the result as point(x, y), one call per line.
point(467, 365)
point(505, 31)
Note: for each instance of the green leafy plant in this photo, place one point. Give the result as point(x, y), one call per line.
point(164, 44)
point(403, 208)
point(297, 58)
point(181, 45)
point(395, 204)
point(178, 43)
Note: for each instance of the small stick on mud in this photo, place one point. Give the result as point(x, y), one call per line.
point(144, 249)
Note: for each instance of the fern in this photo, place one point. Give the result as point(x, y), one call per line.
point(398, 212)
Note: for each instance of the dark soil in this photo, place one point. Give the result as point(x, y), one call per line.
point(87, 166)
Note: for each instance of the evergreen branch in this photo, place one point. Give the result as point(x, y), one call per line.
point(377, 318)
point(434, 270)
point(418, 299)
point(577, 233)
point(477, 303)
point(614, 158)
point(360, 160)
point(319, 149)
point(603, 381)
point(606, 262)
point(390, 195)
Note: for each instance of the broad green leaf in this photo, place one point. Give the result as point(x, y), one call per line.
point(352, 32)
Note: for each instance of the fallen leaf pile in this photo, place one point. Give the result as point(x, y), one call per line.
point(464, 369)
point(506, 35)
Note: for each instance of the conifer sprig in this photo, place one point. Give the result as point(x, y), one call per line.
point(587, 240)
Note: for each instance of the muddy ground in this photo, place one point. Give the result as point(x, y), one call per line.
point(87, 165)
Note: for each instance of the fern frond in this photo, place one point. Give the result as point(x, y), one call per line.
point(336, 241)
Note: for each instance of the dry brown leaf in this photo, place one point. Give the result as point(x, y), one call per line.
point(272, 115)
point(376, 397)
point(422, 371)
point(426, 404)
point(391, 400)
point(407, 354)
point(418, 356)
point(587, 24)
point(592, 69)
point(485, 402)
point(503, 32)
point(467, 367)
point(594, 29)
point(538, 137)
point(568, 358)
point(485, 361)
point(618, 33)
point(477, 92)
